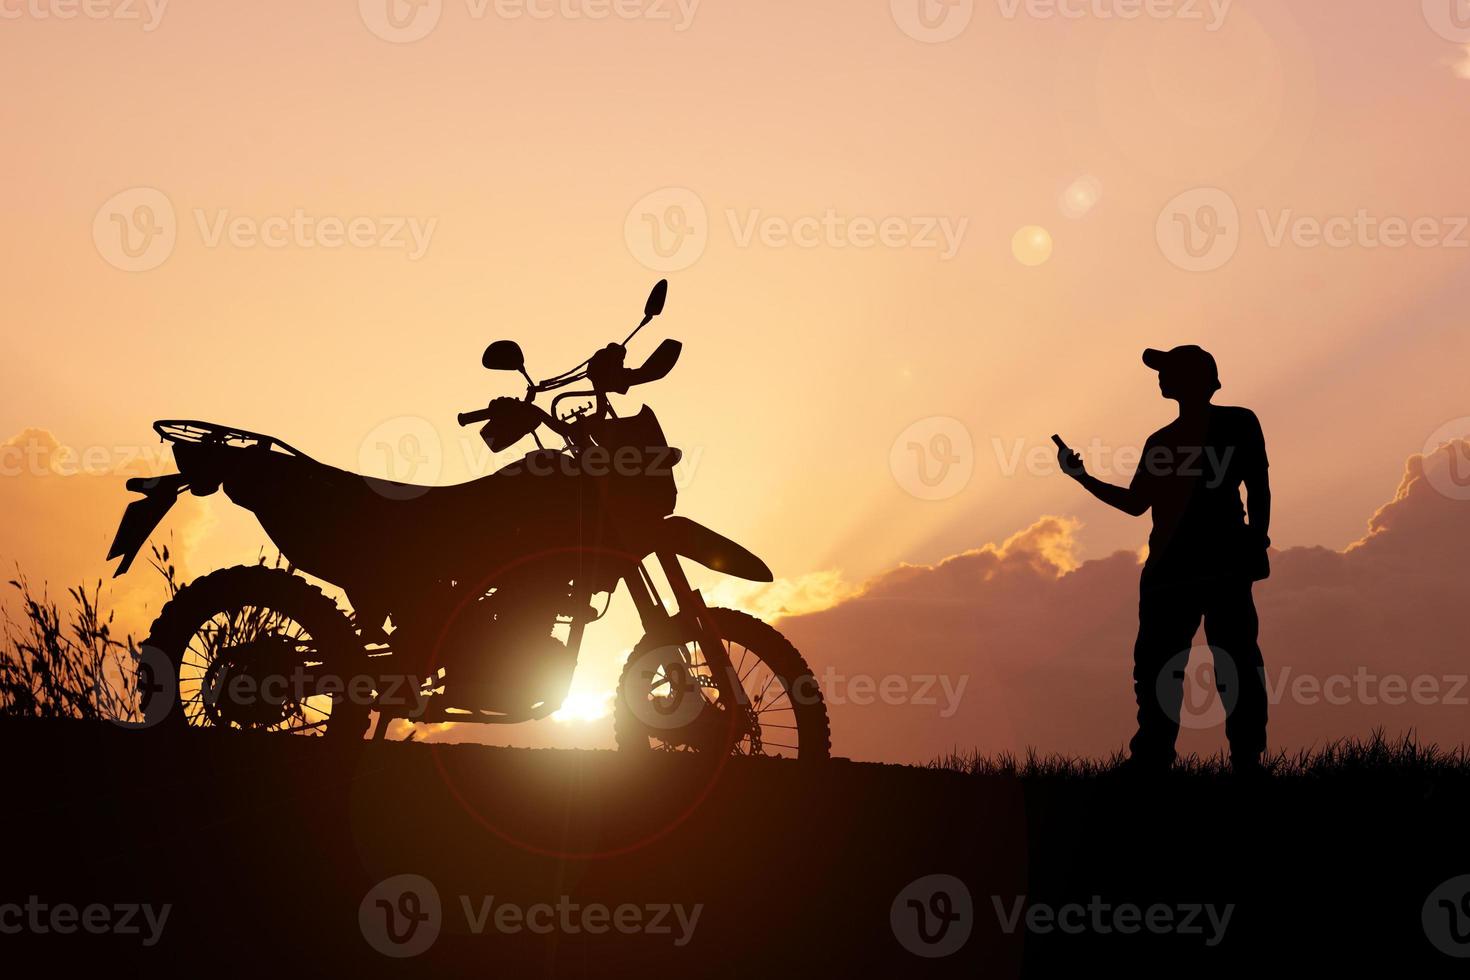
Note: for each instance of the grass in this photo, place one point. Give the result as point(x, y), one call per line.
point(55, 666)
point(1377, 755)
point(70, 666)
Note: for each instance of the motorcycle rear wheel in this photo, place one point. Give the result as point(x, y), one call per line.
point(228, 633)
point(782, 712)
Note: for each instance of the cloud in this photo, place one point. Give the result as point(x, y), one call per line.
point(62, 505)
point(783, 597)
point(1460, 64)
point(1040, 644)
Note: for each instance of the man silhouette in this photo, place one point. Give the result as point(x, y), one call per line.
point(1203, 557)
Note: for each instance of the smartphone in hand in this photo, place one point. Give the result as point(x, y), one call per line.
point(1069, 461)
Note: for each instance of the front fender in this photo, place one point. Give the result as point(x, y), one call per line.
point(715, 551)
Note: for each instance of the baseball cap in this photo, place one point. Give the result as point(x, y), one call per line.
point(1188, 361)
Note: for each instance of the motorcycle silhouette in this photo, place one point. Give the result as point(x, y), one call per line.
point(470, 602)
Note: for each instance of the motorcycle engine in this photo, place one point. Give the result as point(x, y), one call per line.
point(495, 660)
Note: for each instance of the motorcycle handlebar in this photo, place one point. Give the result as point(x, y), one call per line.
point(470, 418)
point(605, 370)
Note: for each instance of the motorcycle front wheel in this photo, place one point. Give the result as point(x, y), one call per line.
point(753, 696)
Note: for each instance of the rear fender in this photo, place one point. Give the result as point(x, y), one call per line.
point(715, 551)
point(142, 516)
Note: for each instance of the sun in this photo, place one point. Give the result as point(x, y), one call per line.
point(582, 707)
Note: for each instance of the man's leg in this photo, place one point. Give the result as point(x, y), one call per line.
point(1231, 627)
point(1168, 616)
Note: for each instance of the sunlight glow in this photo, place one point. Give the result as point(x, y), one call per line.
point(1080, 196)
point(581, 708)
point(1461, 65)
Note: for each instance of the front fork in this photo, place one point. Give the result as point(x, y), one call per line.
point(650, 605)
point(691, 610)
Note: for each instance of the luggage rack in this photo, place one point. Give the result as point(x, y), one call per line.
point(214, 434)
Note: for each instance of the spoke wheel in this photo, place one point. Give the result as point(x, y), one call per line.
point(754, 696)
point(249, 648)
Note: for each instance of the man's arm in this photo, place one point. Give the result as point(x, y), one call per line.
point(1258, 503)
point(1131, 499)
point(1258, 486)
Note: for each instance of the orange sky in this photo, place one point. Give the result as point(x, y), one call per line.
point(528, 152)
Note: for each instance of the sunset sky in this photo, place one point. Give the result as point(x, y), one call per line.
point(897, 264)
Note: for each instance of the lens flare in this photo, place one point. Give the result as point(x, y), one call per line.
point(1081, 196)
point(1031, 245)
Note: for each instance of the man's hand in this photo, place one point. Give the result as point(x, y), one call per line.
point(1258, 556)
point(1070, 462)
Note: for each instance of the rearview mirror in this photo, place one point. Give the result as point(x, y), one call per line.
point(504, 355)
point(656, 300)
